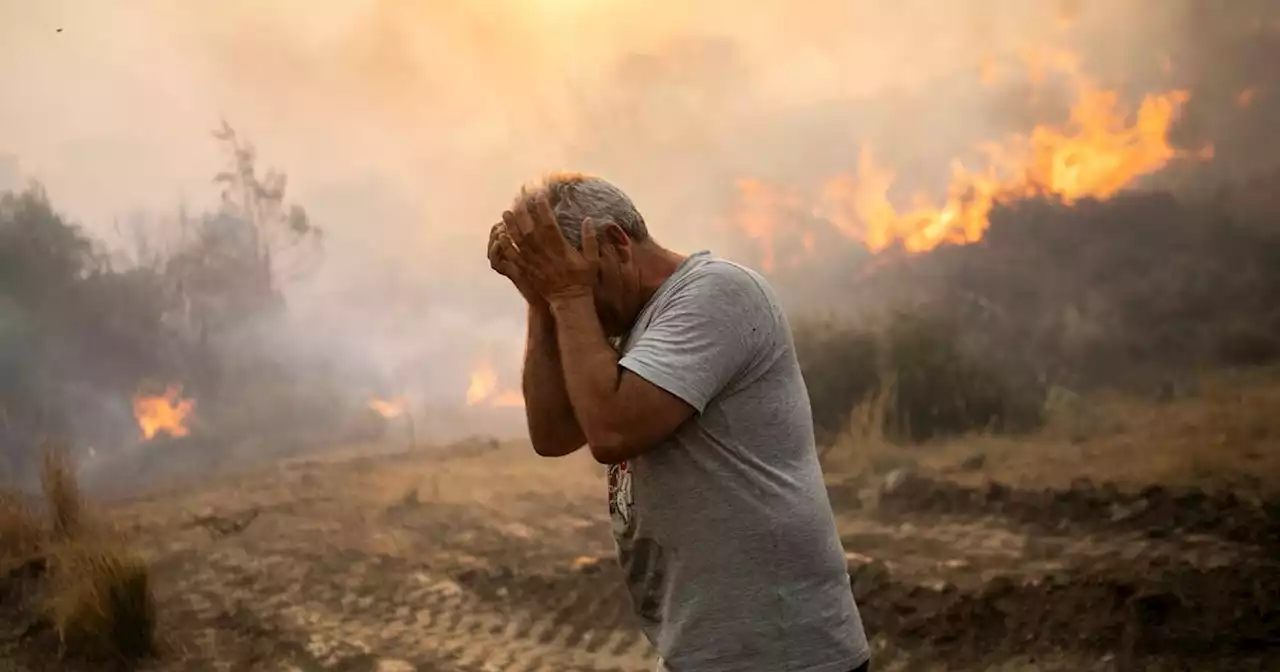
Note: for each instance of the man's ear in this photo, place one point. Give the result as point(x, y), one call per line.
point(617, 239)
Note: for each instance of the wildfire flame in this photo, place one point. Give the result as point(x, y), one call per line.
point(166, 413)
point(484, 389)
point(1096, 154)
point(387, 408)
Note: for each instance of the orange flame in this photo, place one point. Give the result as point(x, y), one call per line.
point(166, 413)
point(758, 215)
point(484, 389)
point(387, 408)
point(1096, 155)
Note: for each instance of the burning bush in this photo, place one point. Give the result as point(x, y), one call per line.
point(1126, 293)
point(1118, 292)
point(84, 329)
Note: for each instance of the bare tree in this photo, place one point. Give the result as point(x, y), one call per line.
point(286, 245)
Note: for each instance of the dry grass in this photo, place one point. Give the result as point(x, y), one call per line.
point(22, 537)
point(863, 450)
point(101, 604)
point(100, 599)
point(61, 491)
point(97, 594)
point(1224, 435)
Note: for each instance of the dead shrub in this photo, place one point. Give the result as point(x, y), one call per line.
point(101, 603)
point(61, 491)
point(21, 535)
point(95, 593)
point(862, 453)
point(22, 542)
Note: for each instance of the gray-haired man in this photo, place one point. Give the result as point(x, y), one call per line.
point(724, 530)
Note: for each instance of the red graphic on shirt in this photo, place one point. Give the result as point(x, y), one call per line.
point(620, 499)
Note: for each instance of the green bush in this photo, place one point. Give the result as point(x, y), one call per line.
point(943, 390)
point(841, 369)
point(1248, 345)
point(932, 385)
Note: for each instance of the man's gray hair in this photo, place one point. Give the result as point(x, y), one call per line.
point(575, 197)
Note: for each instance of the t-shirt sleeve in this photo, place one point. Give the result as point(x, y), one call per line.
point(710, 329)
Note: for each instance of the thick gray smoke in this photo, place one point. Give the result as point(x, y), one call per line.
point(404, 127)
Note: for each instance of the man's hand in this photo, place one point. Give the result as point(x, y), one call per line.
point(550, 264)
point(503, 258)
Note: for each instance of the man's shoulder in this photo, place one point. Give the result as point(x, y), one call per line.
point(722, 275)
point(726, 293)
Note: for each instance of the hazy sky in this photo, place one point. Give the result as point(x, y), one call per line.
point(405, 125)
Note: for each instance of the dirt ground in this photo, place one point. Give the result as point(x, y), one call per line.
point(481, 556)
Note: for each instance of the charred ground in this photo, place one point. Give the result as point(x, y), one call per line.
point(482, 556)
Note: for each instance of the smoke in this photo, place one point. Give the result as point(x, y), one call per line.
point(404, 125)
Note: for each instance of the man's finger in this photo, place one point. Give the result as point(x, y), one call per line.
point(523, 222)
point(500, 254)
point(590, 246)
point(544, 217)
point(506, 261)
point(512, 226)
point(506, 249)
point(495, 253)
point(508, 268)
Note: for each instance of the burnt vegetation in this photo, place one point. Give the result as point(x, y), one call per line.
point(1137, 293)
point(85, 325)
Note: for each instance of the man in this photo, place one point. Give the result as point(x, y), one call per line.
point(679, 372)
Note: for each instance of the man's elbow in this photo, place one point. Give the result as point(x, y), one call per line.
point(555, 447)
point(612, 447)
point(554, 435)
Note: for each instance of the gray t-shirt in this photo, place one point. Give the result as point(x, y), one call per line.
point(724, 530)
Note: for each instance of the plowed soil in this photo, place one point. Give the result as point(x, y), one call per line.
point(484, 557)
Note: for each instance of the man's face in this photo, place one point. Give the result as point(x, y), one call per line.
point(614, 316)
point(617, 290)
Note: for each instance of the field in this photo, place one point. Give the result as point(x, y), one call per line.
point(1089, 546)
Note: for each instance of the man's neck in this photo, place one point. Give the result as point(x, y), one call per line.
point(655, 264)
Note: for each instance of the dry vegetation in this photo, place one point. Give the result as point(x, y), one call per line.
point(100, 602)
point(1220, 434)
point(71, 575)
point(1133, 341)
point(20, 531)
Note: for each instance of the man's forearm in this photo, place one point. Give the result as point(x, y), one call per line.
point(553, 428)
point(590, 367)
